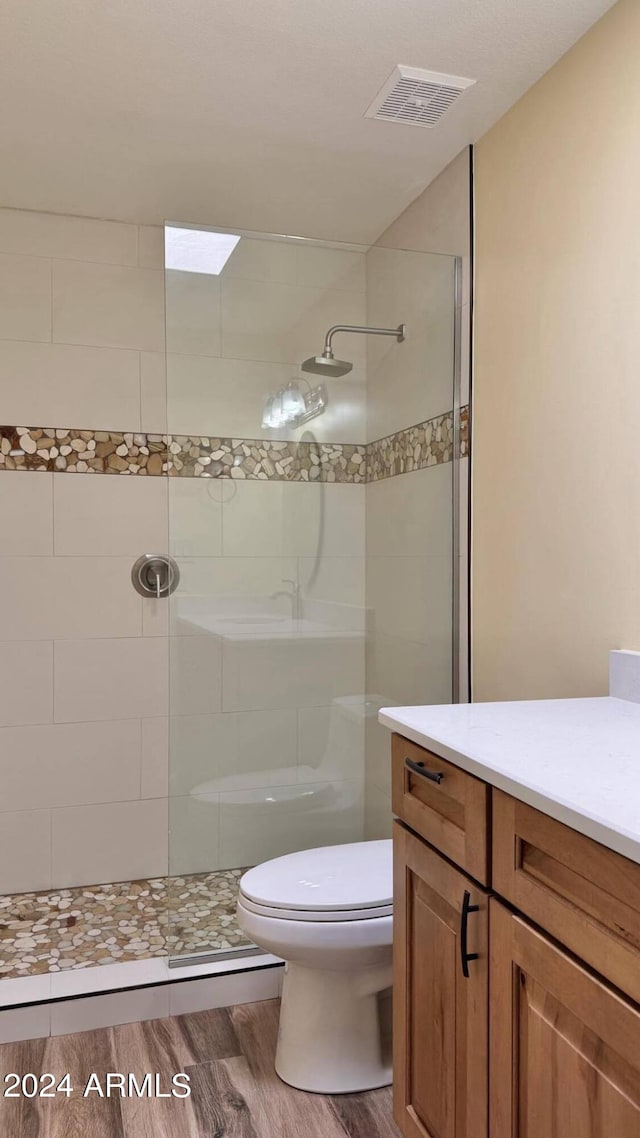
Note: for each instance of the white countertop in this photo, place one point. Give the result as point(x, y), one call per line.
point(577, 760)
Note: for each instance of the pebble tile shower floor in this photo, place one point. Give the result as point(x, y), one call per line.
point(107, 924)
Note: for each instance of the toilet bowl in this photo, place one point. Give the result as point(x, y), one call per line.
point(328, 914)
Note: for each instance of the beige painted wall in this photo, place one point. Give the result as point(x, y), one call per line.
point(556, 546)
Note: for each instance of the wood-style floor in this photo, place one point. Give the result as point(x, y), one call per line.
point(228, 1054)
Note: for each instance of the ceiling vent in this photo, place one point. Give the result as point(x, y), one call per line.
point(418, 97)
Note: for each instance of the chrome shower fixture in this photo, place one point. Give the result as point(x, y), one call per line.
point(291, 407)
point(328, 365)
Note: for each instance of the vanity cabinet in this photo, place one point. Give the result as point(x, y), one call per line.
point(440, 1017)
point(517, 986)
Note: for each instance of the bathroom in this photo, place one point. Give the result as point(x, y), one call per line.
point(283, 467)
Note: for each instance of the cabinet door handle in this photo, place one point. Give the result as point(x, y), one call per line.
point(465, 956)
point(419, 768)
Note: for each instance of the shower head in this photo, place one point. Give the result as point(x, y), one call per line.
point(328, 365)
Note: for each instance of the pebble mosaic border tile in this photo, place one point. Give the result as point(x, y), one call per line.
point(62, 450)
point(106, 924)
point(427, 444)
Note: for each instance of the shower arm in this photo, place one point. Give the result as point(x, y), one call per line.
point(363, 330)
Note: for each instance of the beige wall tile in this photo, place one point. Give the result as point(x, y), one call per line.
point(69, 764)
point(26, 514)
point(193, 313)
point(331, 741)
point(211, 753)
point(291, 674)
point(253, 259)
point(195, 675)
point(25, 851)
point(70, 238)
point(256, 825)
point(57, 385)
point(25, 298)
point(378, 817)
point(194, 823)
point(71, 1016)
point(195, 516)
point(323, 267)
point(242, 584)
point(411, 597)
point(26, 682)
point(227, 397)
point(283, 323)
point(151, 246)
point(68, 598)
point(155, 758)
point(108, 306)
point(153, 393)
point(411, 516)
point(406, 672)
point(110, 679)
point(110, 517)
point(117, 841)
point(293, 519)
point(32, 1022)
point(412, 381)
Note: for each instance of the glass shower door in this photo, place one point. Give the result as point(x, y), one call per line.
point(267, 527)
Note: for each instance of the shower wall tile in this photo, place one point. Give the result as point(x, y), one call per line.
point(256, 825)
point(26, 682)
point(110, 679)
point(153, 392)
point(281, 323)
point(109, 517)
point(237, 584)
point(68, 598)
point(195, 675)
point(411, 597)
point(194, 823)
point(193, 313)
point(154, 782)
point(292, 674)
point(26, 516)
point(25, 851)
point(322, 267)
point(195, 516)
point(116, 841)
point(235, 751)
point(59, 384)
point(412, 381)
point(378, 815)
point(68, 237)
point(25, 298)
point(410, 516)
point(265, 261)
point(109, 306)
point(151, 246)
point(69, 764)
point(331, 741)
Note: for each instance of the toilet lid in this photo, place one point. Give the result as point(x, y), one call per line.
point(330, 879)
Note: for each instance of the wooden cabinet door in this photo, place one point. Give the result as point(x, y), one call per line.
point(440, 1014)
point(564, 1047)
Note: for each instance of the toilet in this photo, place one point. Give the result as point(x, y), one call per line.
point(328, 914)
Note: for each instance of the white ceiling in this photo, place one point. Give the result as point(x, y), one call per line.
point(249, 113)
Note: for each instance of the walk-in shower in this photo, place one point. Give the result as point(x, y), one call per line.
point(314, 584)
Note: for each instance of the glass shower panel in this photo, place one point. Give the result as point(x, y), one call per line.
point(267, 526)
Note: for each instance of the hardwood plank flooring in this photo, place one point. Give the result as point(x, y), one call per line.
point(228, 1054)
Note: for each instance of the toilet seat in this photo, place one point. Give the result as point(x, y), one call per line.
point(333, 883)
point(315, 914)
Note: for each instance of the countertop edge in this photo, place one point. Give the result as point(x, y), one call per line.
point(592, 827)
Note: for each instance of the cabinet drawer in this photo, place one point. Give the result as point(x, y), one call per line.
point(583, 894)
point(443, 804)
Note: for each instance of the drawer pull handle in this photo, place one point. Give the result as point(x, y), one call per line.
point(465, 956)
point(419, 768)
